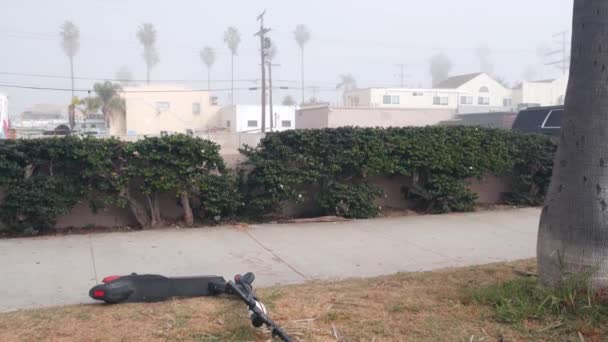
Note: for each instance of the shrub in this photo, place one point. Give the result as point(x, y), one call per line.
point(437, 160)
point(33, 205)
point(44, 178)
point(358, 200)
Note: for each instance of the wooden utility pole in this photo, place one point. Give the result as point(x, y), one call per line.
point(263, 47)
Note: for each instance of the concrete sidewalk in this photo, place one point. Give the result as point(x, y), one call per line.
point(50, 271)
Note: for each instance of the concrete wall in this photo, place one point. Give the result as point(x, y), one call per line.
point(489, 190)
point(153, 109)
point(313, 117)
point(377, 117)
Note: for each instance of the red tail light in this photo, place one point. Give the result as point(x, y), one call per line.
point(110, 279)
point(99, 293)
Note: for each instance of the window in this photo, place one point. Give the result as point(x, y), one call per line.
point(440, 100)
point(554, 119)
point(84, 126)
point(252, 123)
point(483, 101)
point(286, 123)
point(163, 106)
point(466, 100)
point(390, 99)
point(416, 93)
point(484, 90)
point(213, 100)
point(93, 126)
point(196, 108)
point(507, 102)
point(228, 123)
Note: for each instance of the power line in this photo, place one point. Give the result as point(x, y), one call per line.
point(121, 91)
point(564, 63)
point(117, 80)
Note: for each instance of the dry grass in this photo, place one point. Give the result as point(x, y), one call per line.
point(405, 307)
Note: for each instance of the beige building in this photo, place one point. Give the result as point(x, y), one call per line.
point(151, 110)
point(325, 116)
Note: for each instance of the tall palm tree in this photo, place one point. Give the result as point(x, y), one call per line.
point(70, 43)
point(302, 35)
point(208, 57)
point(147, 36)
point(573, 234)
point(232, 38)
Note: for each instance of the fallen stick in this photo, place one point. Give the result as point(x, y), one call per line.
point(306, 320)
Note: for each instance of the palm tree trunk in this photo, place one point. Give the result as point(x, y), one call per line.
point(573, 234)
point(303, 91)
point(72, 108)
point(72, 76)
point(208, 79)
point(147, 74)
point(232, 80)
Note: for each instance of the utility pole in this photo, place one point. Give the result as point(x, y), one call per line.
point(564, 63)
point(401, 74)
point(270, 65)
point(264, 44)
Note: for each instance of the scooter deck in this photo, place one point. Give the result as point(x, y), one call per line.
point(153, 288)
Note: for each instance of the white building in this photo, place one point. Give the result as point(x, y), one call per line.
point(473, 93)
point(541, 93)
point(248, 118)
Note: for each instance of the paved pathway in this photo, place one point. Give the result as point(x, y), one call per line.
point(50, 271)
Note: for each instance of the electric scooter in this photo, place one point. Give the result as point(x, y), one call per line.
point(136, 288)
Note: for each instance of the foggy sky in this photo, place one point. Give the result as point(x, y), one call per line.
point(365, 38)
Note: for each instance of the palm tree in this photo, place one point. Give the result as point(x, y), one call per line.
point(70, 43)
point(289, 101)
point(347, 82)
point(147, 37)
point(302, 36)
point(573, 234)
point(232, 38)
point(90, 105)
point(124, 76)
point(110, 100)
point(440, 67)
point(208, 57)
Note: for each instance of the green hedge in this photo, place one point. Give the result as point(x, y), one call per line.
point(437, 160)
point(43, 179)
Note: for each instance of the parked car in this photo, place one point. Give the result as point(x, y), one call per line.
point(543, 120)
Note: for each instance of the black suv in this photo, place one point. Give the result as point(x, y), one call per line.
point(543, 120)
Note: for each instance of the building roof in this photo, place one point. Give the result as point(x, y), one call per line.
point(457, 81)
